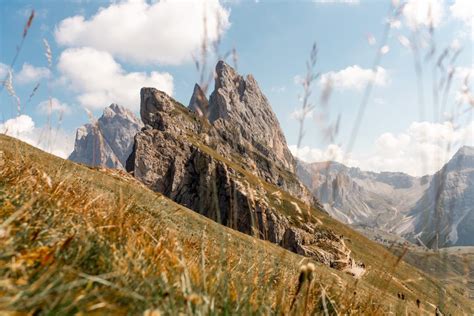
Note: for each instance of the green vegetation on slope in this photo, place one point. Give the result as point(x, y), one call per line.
point(75, 239)
point(452, 266)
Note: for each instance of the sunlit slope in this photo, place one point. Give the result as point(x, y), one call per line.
point(75, 239)
point(452, 266)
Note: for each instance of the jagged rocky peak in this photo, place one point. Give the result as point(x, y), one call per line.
point(466, 151)
point(108, 141)
point(198, 103)
point(153, 103)
point(226, 170)
point(160, 112)
point(462, 159)
point(238, 106)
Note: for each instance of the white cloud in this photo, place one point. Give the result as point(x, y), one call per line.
point(355, 78)
point(420, 13)
point(30, 73)
point(17, 125)
point(47, 107)
point(462, 72)
point(99, 80)
point(463, 10)
point(421, 149)
point(56, 142)
point(333, 152)
point(166, 32)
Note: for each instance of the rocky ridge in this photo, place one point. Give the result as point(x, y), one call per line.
point(231, 163)
point(108, 141)
point(433, 210)
point(444, 214)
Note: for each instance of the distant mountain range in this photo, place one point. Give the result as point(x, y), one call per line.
point(434, 210)
point(108, 141)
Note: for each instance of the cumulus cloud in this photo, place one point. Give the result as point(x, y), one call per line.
point(99, 80)
point(56, 142)
point(355, 78)
point(423, 148)
point(54, 105)
point(30, 73)
point(166, 32)
point(423, 13)
point(461, 73)
point(332, 152)
point(463, 10)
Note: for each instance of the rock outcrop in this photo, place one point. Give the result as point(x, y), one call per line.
point(240, 111)
point(234, 167)
point(199, 102)
point(107, 142)
point(444, 214)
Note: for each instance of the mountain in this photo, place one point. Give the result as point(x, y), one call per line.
point(434, 210)
point(232, 165)
point(80, 240)
point(359, 197)
point(108, 141)
point(444, 215)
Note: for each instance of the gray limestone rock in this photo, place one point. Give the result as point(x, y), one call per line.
point(107, 142)
point(234, 167)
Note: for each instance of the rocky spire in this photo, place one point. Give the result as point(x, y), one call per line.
point(231, 169)
point(242, 108)
point(107, 142)
point(198, 103)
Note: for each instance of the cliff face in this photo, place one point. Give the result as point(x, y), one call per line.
point(444, 214)
point(234, 167)
point(357, 197)
point(435, 210)
point(107, 142)
point(238, 107)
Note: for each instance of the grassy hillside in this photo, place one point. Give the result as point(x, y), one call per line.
point(453, 266)
point(75, 239)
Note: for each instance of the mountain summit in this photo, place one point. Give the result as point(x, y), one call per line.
point(234, 167)
point(444, 214)
point(238, 107)
point(108, 141)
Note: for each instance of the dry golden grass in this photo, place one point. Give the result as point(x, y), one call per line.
point(80, 240)
point(66, 249)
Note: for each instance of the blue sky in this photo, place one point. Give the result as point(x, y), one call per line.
point(97, 61)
